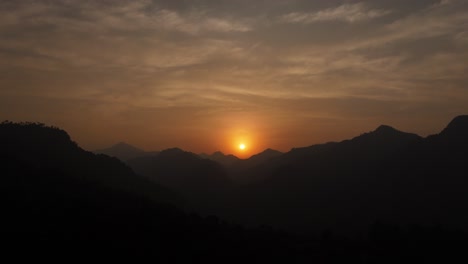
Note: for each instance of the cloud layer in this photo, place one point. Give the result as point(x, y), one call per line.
point(350, 13)
point(165, 73)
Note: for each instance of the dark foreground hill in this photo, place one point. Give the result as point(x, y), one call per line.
point(408, 193)
point(58, 200)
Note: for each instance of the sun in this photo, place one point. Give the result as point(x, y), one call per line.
point(242, 146)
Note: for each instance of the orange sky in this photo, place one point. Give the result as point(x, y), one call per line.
point(206, 75)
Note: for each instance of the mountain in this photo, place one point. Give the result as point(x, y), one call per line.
point(181, 170)
point(386, 194)
point(124, 152)
point(200, 181)
point(454, 136)
point(363, 151)
point(384, 174)
point(457, 128)
point(50, 148)
point(384, 140)
point(253, 169)
point(225, 160)
point(263, 156)
point(54, 195)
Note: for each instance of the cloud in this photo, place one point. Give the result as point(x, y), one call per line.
point(213, 61)
point(194, 23)
point(444, 19)
point(137, 35)
point(136, 15)
point(349, 13)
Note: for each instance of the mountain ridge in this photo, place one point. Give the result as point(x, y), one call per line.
point(375, 174)
point(123, 151)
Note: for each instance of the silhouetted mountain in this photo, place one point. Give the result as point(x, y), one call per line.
point(383, 141)
point(243, 171)
point(200, 180)
point(124, 152)
point(253, 169)
point(408, 192)
point(456, 132)
point(263, 156)
point(58, 200)
point(225, 160)
point(457, 128)
point(51, 148)
point(175, 152)
point(384, 174)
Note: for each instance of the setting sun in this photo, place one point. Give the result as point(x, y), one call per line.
point(242, 146)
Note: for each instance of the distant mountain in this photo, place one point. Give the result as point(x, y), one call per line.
point(382, 141)
point(253, 169)
point(364, 150)
point(225, 160)
point(124, 152)
point(200, 181)
point(263, 156)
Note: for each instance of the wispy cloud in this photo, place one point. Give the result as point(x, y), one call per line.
point(124, 16)
point(447, 19)
point(227, 59)
point(194, 23)
point(350, 13)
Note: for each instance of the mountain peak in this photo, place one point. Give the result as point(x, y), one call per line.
point(172, 151)
point(385, 129)
point(271, 151)
point(387, 132)
point(266, 154)
point(458, 127)
point(384, 136)
point(126, 146)
point(221, 158)
point(122, 144)
point(122, 151)
point(218, 153)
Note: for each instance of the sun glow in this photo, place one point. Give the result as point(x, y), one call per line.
point(242, 141)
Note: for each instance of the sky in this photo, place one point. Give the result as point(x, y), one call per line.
point(207, 75)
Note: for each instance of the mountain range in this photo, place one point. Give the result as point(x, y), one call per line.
point(59, 201)
point(382, 176)
point(124, 152)
point(339, 185)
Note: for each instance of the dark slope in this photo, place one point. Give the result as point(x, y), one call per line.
point(253, 169)
point(226, 160)
point(383, 141)
point(52, 149)
point(385, 174)
point(60, 202)
point(124, 152)
point(363, 153)
point(431, 177)
point(201, 181)
point(263, 156)
point(457, 130)
point(50, 205)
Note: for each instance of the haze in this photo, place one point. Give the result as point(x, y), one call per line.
point(210, 75)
